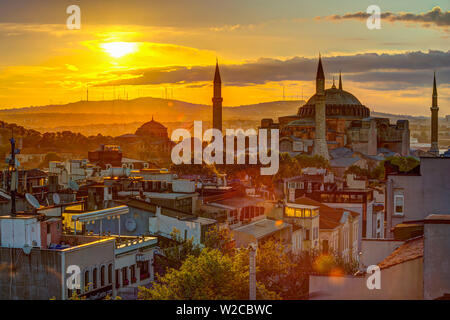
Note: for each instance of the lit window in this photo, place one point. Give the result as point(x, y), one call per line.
point(398, 204)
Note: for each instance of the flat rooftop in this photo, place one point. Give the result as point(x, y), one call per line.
point(263, 228)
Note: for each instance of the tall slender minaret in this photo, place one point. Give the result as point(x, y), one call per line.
point(320, 141)
point(434, 120)
point(340, 81)
point(217, 100)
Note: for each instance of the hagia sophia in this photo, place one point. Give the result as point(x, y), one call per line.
point(347, 121)
point(332, 118)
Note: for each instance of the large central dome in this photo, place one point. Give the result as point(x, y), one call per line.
point(334, 96)
point(338, 102)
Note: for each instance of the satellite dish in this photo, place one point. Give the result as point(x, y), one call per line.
point(32, 200)
point(26, 249)
point(56, 198)
point(130, 224)
point(73, 185)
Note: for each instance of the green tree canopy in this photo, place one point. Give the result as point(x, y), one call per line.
point(210, 276)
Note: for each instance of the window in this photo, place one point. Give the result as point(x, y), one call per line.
point(102, 276)
point(48, 228)
point(110, 273)
point(144, 271)
point(94, 278)
point(86, 280)
point(124, 276)
point(399, 204)
point(133, 274)
point(325, 246)
point(307, 234)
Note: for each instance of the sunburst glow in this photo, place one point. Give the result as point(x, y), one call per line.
point(119, 49)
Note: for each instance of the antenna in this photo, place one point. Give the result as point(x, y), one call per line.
point(56, 198)
point(32, 201)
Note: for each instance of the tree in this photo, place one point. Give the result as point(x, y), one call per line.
point(315, 161)
point(358, 171)
point(210, 276)
point(220, 239)
point(273, 265)
point(179, 249)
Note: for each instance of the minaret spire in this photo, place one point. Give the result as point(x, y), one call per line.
point(434, 120)
point(320, 136)
point(320, 74)
point(434, 85)
point(340, 80)
point(217, 99)
point(217, 78)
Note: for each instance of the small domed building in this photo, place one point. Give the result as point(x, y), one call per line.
point(348, 124)
point(152, 129)
point(150, 141)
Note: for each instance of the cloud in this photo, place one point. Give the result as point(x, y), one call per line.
point(409, 68)
point(435, 17)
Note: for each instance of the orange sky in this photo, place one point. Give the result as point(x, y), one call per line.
point(46, 63)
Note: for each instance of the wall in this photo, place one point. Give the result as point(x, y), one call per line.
point(424, 194)
point(139, 216)
point(399, 282)
point(89, 256)
point(164, 225)
point(37, 275)
point(376, 250)
point(16, 232)
point(436, 258)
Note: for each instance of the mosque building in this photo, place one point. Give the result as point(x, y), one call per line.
point(335, 118)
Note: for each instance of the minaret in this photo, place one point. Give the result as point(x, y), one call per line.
point(320, 141)
point(340, 81)
point(434, 120)
point(217, 100)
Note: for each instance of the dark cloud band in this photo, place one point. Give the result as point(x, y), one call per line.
point(412, 68)
point(435, 17)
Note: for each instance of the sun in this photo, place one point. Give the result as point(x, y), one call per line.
point(119, 49)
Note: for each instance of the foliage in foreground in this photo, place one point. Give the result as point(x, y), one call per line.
point(210, 276)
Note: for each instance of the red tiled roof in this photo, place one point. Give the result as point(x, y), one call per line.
point(410, 250)
point(329, 217)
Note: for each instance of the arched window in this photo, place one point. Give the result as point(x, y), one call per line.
point(86, 280)
point(102, 276)
point(110, 273)
point(94, 278)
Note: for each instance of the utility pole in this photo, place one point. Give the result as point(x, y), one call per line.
point(13, 174)
point(252, 276)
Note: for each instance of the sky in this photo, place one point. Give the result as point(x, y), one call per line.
point(161, 48)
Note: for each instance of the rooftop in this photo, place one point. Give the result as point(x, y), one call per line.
point(262, 228)
point(410, 250)
point(237, 202)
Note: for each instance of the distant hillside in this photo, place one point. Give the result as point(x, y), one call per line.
point(135, 112)
point(117, 117)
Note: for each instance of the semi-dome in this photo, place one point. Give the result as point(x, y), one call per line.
point(152, 129)
point(338, 102)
